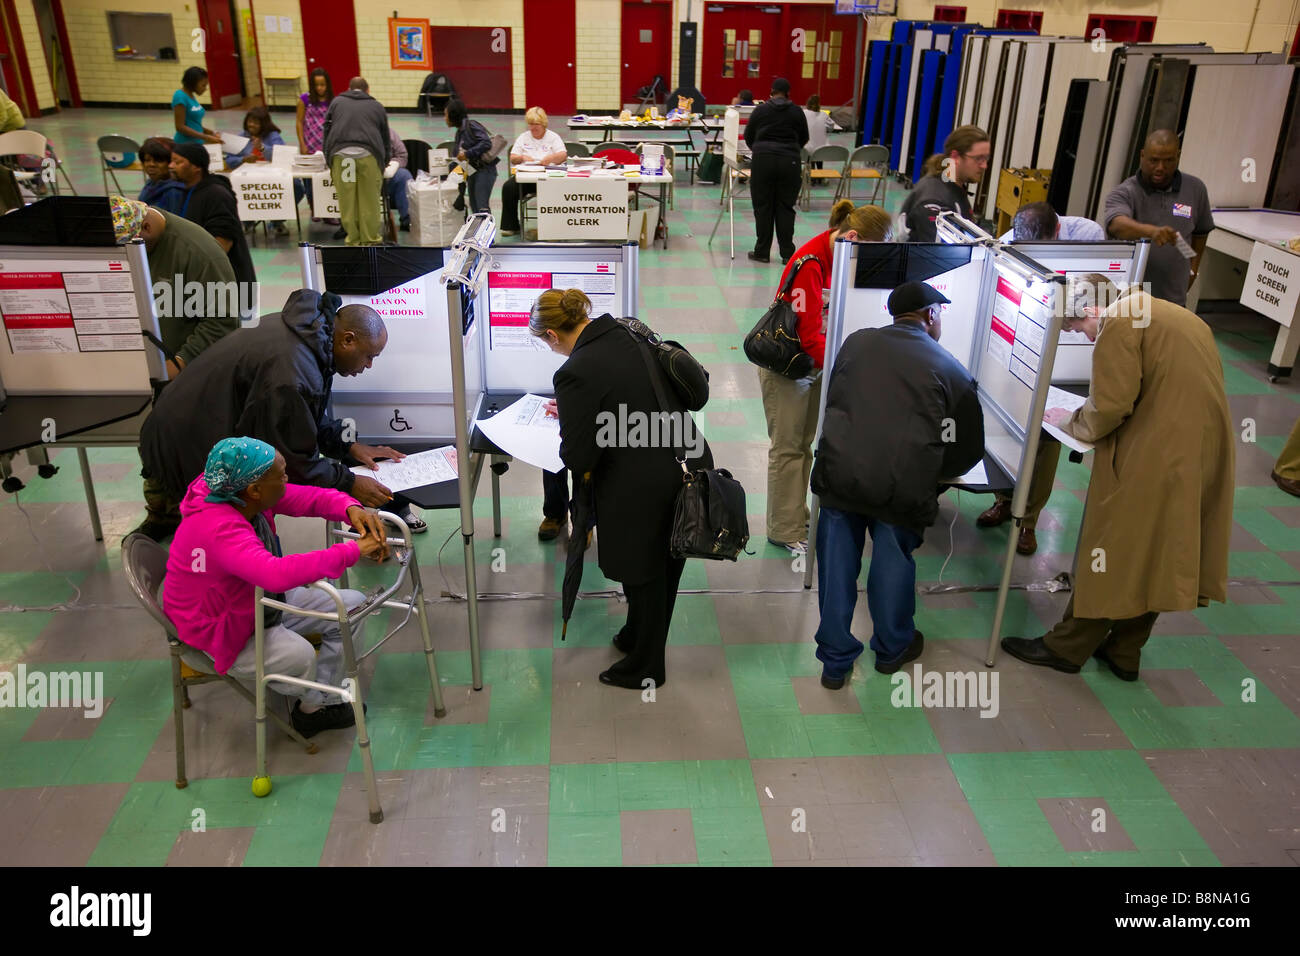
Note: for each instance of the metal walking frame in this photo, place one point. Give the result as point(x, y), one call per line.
point(349, 622)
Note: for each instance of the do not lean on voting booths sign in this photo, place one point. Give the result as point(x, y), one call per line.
point(582, 208)
point(324, 198)
point(263, 192)
point(1272, 285)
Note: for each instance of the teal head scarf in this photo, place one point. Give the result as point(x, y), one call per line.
point(233, 465)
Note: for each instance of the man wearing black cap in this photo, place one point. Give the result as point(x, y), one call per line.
point(776, 133)
point(901, 415)
point(210, 202)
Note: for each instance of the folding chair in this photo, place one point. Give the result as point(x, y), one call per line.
point(120, 146)
point(349, 621)
point(577, 149)
point(875, 159)
point(145, 563)
point(833, 160)
point(26, 142)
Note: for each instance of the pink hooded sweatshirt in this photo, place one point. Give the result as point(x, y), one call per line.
point(211, 600)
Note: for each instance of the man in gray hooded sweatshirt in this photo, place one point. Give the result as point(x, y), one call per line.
point(357, 149)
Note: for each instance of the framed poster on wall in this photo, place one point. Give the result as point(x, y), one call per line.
point(408, 44)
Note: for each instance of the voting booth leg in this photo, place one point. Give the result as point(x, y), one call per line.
point(91, 502)
point(417, 595)
point(496, 497)
point(1004, 588)
point(471, 592)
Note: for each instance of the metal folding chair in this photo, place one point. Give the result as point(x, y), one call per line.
point(875, 162)
point(834, 160)
point(145, 563)
point(349, 621)
point(120, 145)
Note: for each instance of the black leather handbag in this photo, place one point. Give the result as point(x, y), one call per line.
point(689, 379)
point(709, 519)
point(773, 343)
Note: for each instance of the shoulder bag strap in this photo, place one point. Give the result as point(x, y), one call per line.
point(789, 281)
point(656, 382)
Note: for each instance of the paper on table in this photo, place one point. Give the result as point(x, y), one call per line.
point(233, 143)
point(525, 430)
point(415, 471)
point(976, 476)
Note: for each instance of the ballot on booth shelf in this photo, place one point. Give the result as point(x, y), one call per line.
point(528, 430)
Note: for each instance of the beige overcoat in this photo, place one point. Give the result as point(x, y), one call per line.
point(1160, 497)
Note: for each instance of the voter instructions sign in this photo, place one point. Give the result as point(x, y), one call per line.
point(582, 208)
point(1272, 285)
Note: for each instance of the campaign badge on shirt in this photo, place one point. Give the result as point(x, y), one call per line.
point(1183, 209)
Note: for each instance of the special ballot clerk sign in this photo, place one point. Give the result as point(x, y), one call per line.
point(576, 207)
point(263, 192)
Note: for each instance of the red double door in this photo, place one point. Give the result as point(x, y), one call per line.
point(747, 45)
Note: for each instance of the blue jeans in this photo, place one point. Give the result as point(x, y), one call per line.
point(891, 588)
point(480, 188)
point(397, 197)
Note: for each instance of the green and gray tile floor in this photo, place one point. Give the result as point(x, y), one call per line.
point(742, 758)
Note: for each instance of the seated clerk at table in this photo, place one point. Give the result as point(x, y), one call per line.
point(1157, 524)
point(948, 175)
point(161, 190)
point(1161, 203)
point(1038, 222)
point(880, 474)
point(537, 145)
point(210, 202)
point(273, 382)
point(263, 136)
point(228, 517)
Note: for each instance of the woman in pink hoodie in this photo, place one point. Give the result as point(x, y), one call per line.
point(226, 546)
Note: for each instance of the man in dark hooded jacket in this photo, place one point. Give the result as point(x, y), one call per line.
point(271, 382)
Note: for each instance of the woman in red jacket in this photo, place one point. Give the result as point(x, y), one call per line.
point(791, 406)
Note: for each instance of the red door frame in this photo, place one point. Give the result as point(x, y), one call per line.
point(664, 56)
point(26, 97)
point(801, 14)
point(743, 16)
point(65, 47)
point(550, 52)
point(213, 91)
point(337, 29)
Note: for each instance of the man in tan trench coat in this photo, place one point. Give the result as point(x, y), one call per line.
point(1159, 513)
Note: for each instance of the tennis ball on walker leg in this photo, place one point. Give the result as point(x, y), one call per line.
point(261, 786)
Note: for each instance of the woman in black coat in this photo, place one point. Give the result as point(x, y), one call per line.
point(635, 476)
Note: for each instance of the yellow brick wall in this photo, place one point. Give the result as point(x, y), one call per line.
point(252, 79)
point(35, 50)
point(105, 79)
point(401, 88)
point(598, 42)
point(283, 52)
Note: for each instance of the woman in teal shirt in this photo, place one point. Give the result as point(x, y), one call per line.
point(187, 110)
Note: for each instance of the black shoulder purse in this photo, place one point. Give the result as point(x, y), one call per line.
point(690, 379)
point(709, 519)
point(774, 343)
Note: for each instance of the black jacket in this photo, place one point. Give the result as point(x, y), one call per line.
point(212, 205)
point(777, 126)
point(882, 453)
point(931, 196)
point(635, 488)
point(271, 382)
point(473, 137)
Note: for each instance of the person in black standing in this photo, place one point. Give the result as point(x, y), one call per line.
point(210, 202)
point(776, 133)
point(634, 486)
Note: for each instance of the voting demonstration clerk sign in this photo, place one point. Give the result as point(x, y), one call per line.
point(263, 192)
point(1272, 285)
point(572, 208)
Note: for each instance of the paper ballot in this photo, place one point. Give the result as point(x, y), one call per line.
point(232, 143)
point(527, 431)
point(415, 471)
point(1060, 398)
point(1184, 247)
point(976, 476)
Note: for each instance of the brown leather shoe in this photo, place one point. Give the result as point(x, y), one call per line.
point(1290, 485)
point(1028, 542)
point(1000, 513)
point(549, 529)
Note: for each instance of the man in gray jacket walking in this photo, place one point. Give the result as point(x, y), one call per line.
point(357, 149)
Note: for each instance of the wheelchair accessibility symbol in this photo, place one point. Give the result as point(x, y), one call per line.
point(399, 424)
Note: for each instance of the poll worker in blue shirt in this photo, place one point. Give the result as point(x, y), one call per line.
point(188, 112)
point(901, 415)
point(1038, 221)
